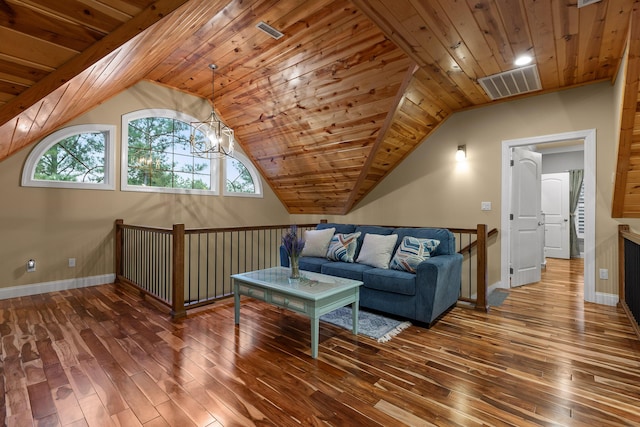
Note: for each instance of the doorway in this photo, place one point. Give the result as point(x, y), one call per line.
point(589, 140)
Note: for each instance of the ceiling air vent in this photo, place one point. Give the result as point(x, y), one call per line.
point(269, 30)
point(511, 83)
point(583, 3)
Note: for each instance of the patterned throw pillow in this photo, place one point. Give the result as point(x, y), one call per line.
point(343, 247)
point(411, 252)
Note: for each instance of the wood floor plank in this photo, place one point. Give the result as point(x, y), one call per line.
point(94, 411)
point(67, 405)
point(105, 356)
point(41, 401)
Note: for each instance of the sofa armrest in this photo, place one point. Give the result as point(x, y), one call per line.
point(284, 257)
point(437, 285)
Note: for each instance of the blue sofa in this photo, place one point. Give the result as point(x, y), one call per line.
point(423, 296)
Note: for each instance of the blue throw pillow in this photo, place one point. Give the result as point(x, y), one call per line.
point(411, 252)
point(343, 247)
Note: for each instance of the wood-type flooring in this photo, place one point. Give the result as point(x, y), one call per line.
point(100, 356)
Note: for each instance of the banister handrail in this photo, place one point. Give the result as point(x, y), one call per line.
point(472, 245)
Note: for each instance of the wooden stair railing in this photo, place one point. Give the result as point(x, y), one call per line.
point(625, 292)
point(156, 261)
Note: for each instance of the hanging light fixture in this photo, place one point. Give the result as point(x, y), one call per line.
point(211, 138)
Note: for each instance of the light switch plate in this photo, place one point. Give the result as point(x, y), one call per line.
point(485, 206)
point(604, 273)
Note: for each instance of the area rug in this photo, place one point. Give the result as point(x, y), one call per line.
point(496, 298)
point(372, 325)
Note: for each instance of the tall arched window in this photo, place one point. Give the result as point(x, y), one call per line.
point(240, 177)
point(156, 155)
point(81, 156)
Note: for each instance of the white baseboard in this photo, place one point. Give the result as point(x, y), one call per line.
point(606, 299)
point(601, 297)
point(490, 289)
point(58, 285)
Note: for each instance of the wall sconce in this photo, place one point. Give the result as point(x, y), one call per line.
point(461, 153)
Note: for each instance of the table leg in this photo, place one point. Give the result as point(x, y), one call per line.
point(315, 332)
point(354, 317)
point(236, 301)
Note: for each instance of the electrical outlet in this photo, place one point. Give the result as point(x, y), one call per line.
point(604, 274)
point(72, 262)
point(31, 265)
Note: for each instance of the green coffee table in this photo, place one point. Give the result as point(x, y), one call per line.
point(313, 295)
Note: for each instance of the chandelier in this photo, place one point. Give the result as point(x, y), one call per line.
point(211, 138)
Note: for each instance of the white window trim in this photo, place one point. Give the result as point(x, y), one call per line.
point(28, 173)
point(124, 164)
point(255, 176)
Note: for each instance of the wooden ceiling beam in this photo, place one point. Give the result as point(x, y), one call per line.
point(353, 197)
point(90, 56)
point(628, 120)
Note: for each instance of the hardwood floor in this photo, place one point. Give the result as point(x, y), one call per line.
point(100, 356)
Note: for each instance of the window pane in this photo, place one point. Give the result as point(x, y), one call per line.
point(77, 158)
point(160, 155)
point(238, 177)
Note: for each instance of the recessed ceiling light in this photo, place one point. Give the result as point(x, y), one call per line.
point(523, 60)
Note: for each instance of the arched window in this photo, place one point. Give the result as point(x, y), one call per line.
point(156, 155)
point(240, 177)
point(81, 156)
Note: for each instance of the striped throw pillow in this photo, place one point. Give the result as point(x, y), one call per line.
point(343, 247)
point(411, 252)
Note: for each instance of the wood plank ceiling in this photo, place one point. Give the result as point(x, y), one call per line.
point(327, 111)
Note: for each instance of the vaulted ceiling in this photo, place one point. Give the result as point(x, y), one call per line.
point(328, 110)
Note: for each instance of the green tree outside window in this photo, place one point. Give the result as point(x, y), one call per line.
point(160, 155)
point(77, 158)
point(239, 178)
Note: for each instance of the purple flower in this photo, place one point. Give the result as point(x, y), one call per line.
point(291, 242)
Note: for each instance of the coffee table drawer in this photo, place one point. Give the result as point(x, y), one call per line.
point(291, 303)
point(253, 292)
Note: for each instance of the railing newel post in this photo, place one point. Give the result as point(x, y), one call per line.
point(119, 243)
point(622, 228)
point(481, 285)
point(177, 282)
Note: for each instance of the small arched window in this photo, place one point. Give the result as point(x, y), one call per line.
point(81, 156)
point(240, 177)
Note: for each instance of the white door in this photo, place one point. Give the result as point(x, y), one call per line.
point(526, 238)
point(555, 205)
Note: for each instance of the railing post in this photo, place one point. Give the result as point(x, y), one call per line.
point(177, 282)
point(622, 228)
point(119, 244)
point(481, 301)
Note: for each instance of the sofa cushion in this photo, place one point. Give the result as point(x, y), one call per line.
point(343, 247)
point(377, 250)
point(399, 282)
point(310, 263)
point(340, 228)
point(447, 240)
point(344, 269)
point(411, 252)
point(316, 242)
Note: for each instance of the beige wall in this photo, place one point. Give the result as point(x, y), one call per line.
point(52, 225)
point(430, 188)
